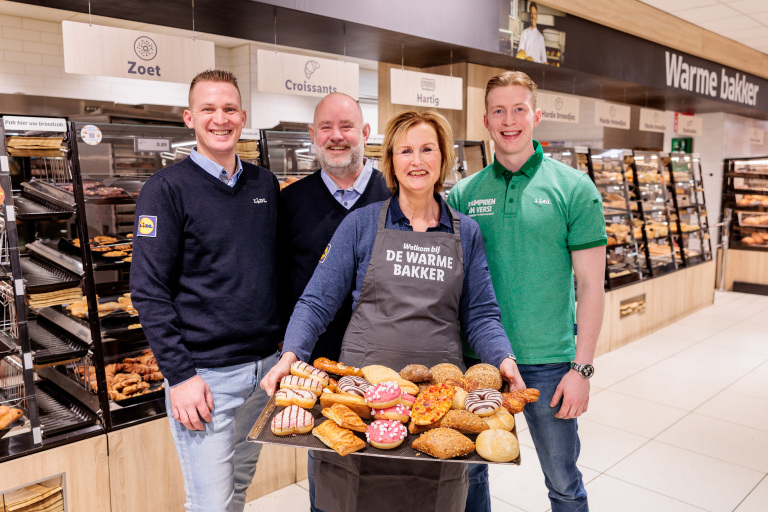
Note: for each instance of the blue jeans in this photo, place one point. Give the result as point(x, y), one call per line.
point(217, 463)
point(311, 481)
point(556, 441)
point(479, 493)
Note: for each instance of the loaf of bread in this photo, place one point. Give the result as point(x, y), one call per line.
point(497, 445)
point(444, 443)
point(502, 420)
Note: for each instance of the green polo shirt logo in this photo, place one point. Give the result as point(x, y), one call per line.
point(480, 207)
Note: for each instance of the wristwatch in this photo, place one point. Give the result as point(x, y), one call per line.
point(585, 370)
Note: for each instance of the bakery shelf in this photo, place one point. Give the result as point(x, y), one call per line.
point(52, 344)
point(40, 276)
point(33, 208)
point(59, 412)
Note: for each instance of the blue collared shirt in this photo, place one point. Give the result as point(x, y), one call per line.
point(216, 170)
point(348, 197)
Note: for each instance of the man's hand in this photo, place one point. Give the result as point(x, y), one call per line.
point(511, 374)
point(574, 391)
point(192, 401)
point(280, 370)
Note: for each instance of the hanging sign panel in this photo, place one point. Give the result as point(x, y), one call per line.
point(756, 136)
point(109, 51)
point(45, 124)
point(654, 120)
point(688, 125)
point(612, 115)
point(289, 73)
point(561, 108)
point(425, 89)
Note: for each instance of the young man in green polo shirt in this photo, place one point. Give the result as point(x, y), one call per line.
point(542, 222)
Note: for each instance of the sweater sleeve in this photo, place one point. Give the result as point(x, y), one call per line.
point(331, 283)
point(479, 312)
point(154, 277)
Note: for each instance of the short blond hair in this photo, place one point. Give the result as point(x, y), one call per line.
point(214, 75)
point(398, 125)
point(511, 78)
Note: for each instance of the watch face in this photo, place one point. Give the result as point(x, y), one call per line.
point(587, 370)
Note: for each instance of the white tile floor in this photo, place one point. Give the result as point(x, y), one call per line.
point(677, 422)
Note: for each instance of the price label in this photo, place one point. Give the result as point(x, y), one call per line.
point(616, 219)
point(152, 145)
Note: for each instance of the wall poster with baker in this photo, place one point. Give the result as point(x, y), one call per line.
point(532, 32)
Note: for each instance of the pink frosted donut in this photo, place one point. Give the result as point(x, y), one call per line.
point(407, 400)
point(383, 395)
point(483, 402)
point(397, 412)
point(386, 434)
point(351, 385)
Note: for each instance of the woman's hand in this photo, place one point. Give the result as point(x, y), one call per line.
point(280, 370)
point(511, 374)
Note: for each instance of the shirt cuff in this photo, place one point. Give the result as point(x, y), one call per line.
point(589, 245)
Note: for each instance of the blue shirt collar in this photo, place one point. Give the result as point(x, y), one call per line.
point(360, 183)
point(396, 213)
point(216, 170)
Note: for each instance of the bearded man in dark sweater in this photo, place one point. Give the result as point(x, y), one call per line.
point(315, 206)
point(203, 279)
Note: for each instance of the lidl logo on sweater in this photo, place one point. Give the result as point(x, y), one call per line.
point(325, 253)
point(147, 225)
point(480, 207)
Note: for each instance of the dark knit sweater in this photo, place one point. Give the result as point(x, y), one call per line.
point(311, 216)
point(205, 284)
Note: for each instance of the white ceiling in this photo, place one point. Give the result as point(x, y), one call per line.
point(744, 21)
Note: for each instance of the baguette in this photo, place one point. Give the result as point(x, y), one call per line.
point(354, 402)
point(341, 440)
point(345, 417)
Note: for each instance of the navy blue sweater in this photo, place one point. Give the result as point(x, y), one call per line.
point(310, 218)
point(203, 273)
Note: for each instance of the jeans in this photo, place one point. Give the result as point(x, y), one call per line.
point(217, 463)
point(479, 494)
point(556, 441)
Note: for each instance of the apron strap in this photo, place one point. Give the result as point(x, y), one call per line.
point(383, 214)
point(456, 231)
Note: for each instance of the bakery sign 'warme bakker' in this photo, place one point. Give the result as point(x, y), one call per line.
point(420, 262)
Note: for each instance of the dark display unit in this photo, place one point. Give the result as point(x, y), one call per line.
point(607, 169)
point(653, 210)
point(689, 227)
point(745, 194)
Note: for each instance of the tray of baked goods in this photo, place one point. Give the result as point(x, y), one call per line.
point(105, 249)
point(12, 415)
point(419, 413)
point(41, 276)
point(130, 380)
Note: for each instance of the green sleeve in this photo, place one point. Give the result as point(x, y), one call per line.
point(453, 199)
point(586, 221)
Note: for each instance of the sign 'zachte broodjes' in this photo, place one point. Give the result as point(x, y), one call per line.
point(709, 82)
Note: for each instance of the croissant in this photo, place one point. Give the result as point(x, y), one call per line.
point(514, 401)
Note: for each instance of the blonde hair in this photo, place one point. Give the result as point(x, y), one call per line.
point(397, 127)
point(213, 75)
point(511, 78)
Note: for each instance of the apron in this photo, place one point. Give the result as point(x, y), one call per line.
point(407, 314)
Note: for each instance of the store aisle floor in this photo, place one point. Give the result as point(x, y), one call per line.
point(677, 422)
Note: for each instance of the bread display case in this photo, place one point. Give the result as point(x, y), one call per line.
point(689, 226)
point(653, 209)
point(745, 193)
point(623, 263)
point(572, 157)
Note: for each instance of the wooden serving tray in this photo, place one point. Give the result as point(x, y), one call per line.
point(262, 433)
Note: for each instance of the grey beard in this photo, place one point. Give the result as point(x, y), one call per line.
point(342, 171)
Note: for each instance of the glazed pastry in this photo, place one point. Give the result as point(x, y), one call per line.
point(516, 400)
point(376, 374)
point(292, 420)
point(337, 438)
point(286, 397)
point(344, 417)
point(386, 434)
point(351, 385)
point(294, 382)
point(383, 395)
point(483, 402)
point(356, 403)
point(302, 369)
point(396, 412)
point(407, 400)
point(335, 368)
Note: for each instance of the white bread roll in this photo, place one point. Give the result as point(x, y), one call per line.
point(502, 420)
point(497, 445)
point(458, 398)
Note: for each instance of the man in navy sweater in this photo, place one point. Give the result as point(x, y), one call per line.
point(315, 206)
point(204, 280)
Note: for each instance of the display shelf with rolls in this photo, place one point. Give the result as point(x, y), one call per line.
point(745, 192)
point(689, 227)
point(653, 212)
point(607, 171)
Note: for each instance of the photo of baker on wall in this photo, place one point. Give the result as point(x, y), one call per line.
point(529, 31)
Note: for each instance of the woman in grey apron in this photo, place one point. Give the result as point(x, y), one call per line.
point(411, 287)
